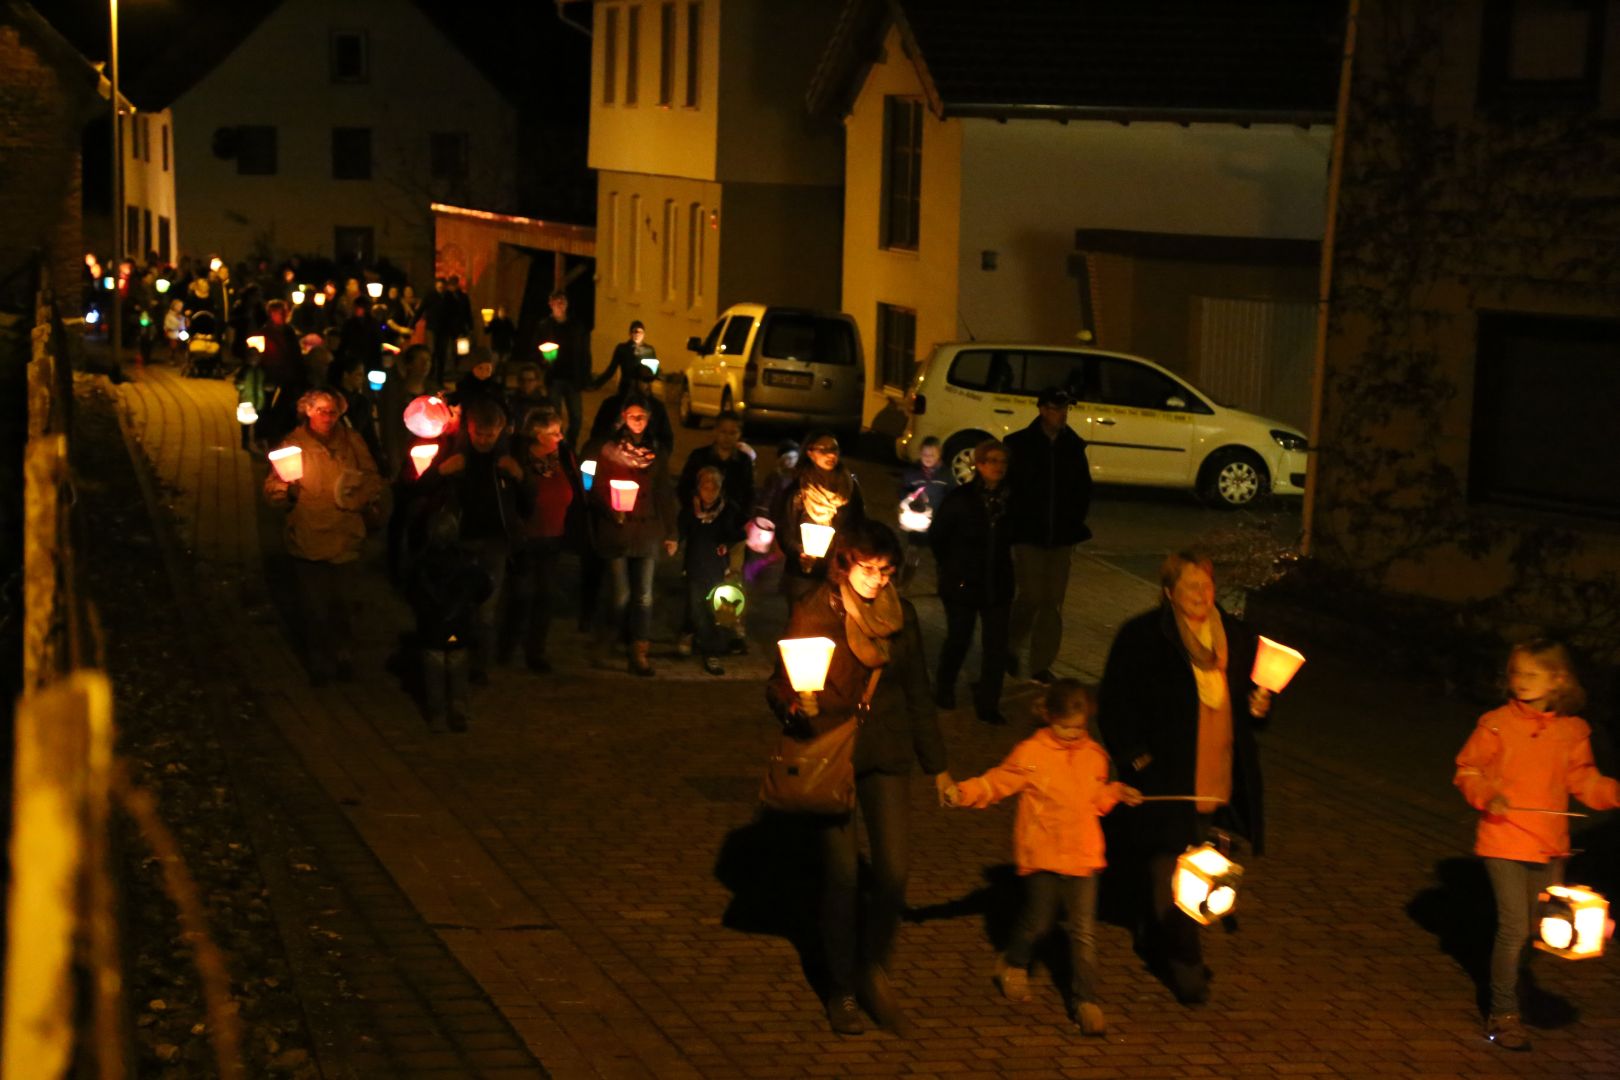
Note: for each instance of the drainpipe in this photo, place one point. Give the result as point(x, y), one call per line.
point(568, 22)
point(1324, 289)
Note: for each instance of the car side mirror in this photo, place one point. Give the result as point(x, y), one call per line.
point(1175, 402)
point(694, 345)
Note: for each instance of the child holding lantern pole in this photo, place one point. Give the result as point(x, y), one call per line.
point(1061, 775)
point(1519, 768)
point(711, 525)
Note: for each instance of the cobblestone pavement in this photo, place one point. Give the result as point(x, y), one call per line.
point(590, 854)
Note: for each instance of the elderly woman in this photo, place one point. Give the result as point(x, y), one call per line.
point(1178, 713)
point(878, 660)
point(822, 492)
point(326, 526)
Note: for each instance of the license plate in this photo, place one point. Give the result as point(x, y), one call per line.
point(795, 380)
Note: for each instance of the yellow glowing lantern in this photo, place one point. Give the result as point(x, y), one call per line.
point(422, 455)
point(622, 494)
point(816, 539)
point(587, 473)
point(246, 413)
point(320, 299)
point(488, 315)
point(463, 346)
point(807, 661)
point(256, 342)
point(1274, 665)
point(288, 463)
point(215, 263)
point(298, 296)
point(1574, 922)
point(374, 289)
point(161, 285)
point(549, 350)
point(1205, 883)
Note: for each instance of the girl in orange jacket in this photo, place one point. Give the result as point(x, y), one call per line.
point(1530, 754)
point(1061, 774)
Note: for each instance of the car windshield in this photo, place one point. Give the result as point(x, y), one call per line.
point(810, 338)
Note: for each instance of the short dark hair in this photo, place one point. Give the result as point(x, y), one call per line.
point(637, 324)
point(1177, 561)
point(932, 440)
point(557, 294)
point(483, 410)
point(858, 541)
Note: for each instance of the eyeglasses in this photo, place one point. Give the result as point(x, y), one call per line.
point(823, 448)
point(883, 573)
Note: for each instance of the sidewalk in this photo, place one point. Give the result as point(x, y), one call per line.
point(588, 853)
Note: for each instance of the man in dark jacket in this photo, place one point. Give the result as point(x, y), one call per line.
point(1049, 481)
point(974, 555)
point(724, 453)
point(570, 371)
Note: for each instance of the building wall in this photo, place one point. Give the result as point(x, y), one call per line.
point(766, 135)
point(149, 179)
point(280, 76)
point(780, 245)
point(644, 137)
point(925, 280)
point(1028, 185)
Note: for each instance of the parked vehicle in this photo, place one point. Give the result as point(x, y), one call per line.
point(1142, 424)
point(777, 364)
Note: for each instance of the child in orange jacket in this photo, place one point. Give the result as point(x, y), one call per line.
point(1530, 754)
point(1061, 774)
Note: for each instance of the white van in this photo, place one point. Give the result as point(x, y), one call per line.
point(1142, 424)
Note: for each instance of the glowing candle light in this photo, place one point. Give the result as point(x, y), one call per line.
point(549, 349)
point(816, 539)
point(288, 463)
point(1205, 883)
point(256, 343)
point(161, 285)
point(761, 534)
point(622, 494)
point(587, 473)
point(422, 454)
point(1274, 665)
point(807, 661)
point(298, 296)
point(246, 413)
point(1574, 922)
point(427, 416)
point(374, 289)
point(463, 346)
point(376, 378)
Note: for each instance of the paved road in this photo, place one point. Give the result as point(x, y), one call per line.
point(590, 853)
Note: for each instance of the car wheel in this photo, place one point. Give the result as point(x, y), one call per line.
point(1233, 478)
point(958, 454)
point(683, 407)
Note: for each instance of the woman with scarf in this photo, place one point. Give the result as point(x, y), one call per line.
point(628, 541)
point(1178, 713)
point(711, 525)
point(878, 659)
point(823, 492)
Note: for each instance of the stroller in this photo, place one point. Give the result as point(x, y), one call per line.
point(203, 354)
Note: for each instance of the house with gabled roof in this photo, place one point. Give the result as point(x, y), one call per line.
point(1144, 177)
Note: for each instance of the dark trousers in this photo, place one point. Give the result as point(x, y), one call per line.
point(709, 639)
point(847, 939)
point(532, 595)
point(1043, 892)
point(592, 567)
point(325, 601)
point(1172, 934)
point(493, 555)
point(959, 621)
point(444, 683)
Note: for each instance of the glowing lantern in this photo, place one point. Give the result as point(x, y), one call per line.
point(288, 463)
point(1574, 922)
point(422, 454)
point(93, 316)
point(374, 289)
point(256, 343)
point(622, 494)
point(914, 520)
point(320, 299)
point(488, 315)
point(761, 534)
point(90, 260)
point(376, 378)
point(727, 601)
point(146, 320)
point(161, 285)
point(1274, 665)
point(1205, 883)
point(246, 413)
point(806, 661)
point(390, 347)
point(549, 349)
point(816, 539)
point(185, 335)
point(215, 263)
point(108, 283)
point(298, 296)
point(427, 416)
point(587, 473)
point(310, 342)
point(463, 346)
point(650, 363)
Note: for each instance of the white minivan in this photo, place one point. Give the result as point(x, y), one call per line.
point(1142, 424)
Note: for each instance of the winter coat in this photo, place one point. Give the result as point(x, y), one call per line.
point(1063, 790)
point(902, 725)
point(250, 386)
point(606, 422)
point(626, 363)
point(923, 490)
point(702, 564)
point(736, 476)
point(325, 522)
point(1534, 760)
point(1050, 482)
point(445, 591)
point(1148, 704)
point(639, 532)
point(488, 500)
point(973, 552)
point(573, 363)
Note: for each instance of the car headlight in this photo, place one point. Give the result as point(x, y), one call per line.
point(1288, 440)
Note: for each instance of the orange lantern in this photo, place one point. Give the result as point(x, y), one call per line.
point(488, 315)
point(427, 416)
point(422, 454)
point(622, 493)
point(807, 661)
point(816, 539)
point(288, 463)
point(1274, 665)
point(256, 342)
point(320, 299)
point(1574, 922)
point(1205, 883)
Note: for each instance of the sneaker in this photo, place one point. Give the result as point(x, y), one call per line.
point(1014, 982)
point(880, 1001)
point(1090, 1019)
point(844, 1015)
point(1505, 1030)
point(712, 665)
point(1044, 677)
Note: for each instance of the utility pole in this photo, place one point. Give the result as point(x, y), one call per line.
point(117, 337)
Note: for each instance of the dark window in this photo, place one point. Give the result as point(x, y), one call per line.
point(447, 153)
point(1542, 436)
point(632, 51)
point(354, 243)
point(1541, 53)
point(146, 138)
point(146, 232)
point(896, 345)
point(1024, 374)
point(351, 59)
point(1136, 386)
point(256, 150)
point(902, 172)
point(694, 53)
point(165, 140)
point(735, 340)
point(707, 348)
point(666, 55)
point(610, 55)
point(163, 248)
point(132, 230)
point(351, 153)
point(809, 338)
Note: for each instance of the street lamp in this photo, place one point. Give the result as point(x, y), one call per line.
point(117, 207)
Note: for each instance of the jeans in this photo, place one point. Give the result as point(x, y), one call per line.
point(492, 556)
point(1517, 886)
point(847, 941)
point(632, 596)
point(1042, 578)
point(1043, 891)
point(959, 621)
point(532, 596)
point(325, 602)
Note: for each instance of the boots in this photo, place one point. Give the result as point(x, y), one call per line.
point(638, 659)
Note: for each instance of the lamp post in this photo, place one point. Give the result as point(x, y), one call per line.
point(117, 181)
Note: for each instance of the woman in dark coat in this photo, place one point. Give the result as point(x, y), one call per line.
point(1178, 713)
point(974, 555)
point(555, 494)
point(823, 492)
point(875, 631)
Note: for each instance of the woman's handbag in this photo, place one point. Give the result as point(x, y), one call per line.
point(817, 775)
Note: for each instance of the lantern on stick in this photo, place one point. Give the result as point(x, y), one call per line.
point(549, 350)
point(298, 296)
point(816, 539)
point(376, 378)
point(463, 346)
point(587, 474)
point(161, 285)
point(806, 661)
point(215, 263)
point(727, 600)
point(422, 455)
point(256, 343)
point(427, 416)
point(913, 520)
point(761, 534)
point(374, 289)
point(622, 494)
point(1574, 922)
point(1205, 883)
point(246, 413)
point(288, 463)
point(1274, 665)
point(93, 316)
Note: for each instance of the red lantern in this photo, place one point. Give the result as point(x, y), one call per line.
point(427, 416)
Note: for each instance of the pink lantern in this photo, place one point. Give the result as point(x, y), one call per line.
point(807, 661)
point(423, 454)
point(288, 463)
point(427, 416)
point(816, 539)
point(623, 494)
point(761, 535)
point(1274, 665)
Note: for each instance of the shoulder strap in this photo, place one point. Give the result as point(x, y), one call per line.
point(871, 688)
